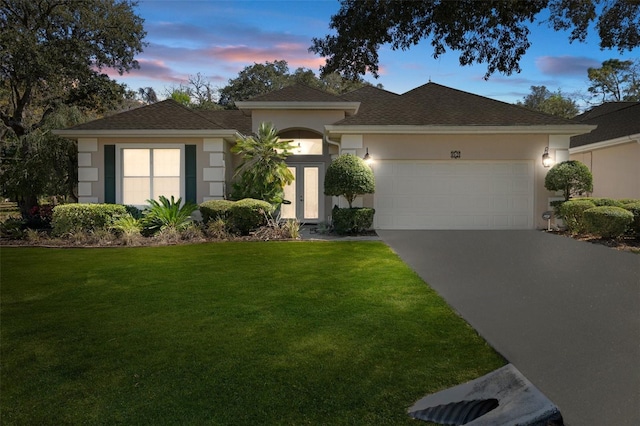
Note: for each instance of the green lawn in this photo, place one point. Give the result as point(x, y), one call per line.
point(225, 333)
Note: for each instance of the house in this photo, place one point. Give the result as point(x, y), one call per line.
point(444, 159)
point(612, 150)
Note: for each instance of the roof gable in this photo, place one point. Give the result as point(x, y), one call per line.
point(297, 93)
point(167, 114)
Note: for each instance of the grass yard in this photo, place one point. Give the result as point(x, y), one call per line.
point(237, 333)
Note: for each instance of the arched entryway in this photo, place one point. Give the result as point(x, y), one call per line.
point(308, 163)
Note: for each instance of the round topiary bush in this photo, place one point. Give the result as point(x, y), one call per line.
point(349, 176)
point(214, 209)
point(634, 208)
point(248, 214)
point(607, 221)
point(571, 177)
point(572, 212)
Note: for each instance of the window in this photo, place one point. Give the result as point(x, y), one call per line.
point(303, 141)
point(306, 146)
point(148, 173)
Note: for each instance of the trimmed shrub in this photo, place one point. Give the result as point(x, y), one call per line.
point(349, 176)
point(353, 220)
point(248, 214)
point(571, 177)
point(571, 213)
point(629, 200)
point(73, 218)
point(607, 221)
point(599, 202)
point(214, 209)
point(634, 208)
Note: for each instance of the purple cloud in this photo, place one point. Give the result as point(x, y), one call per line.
point(565, 65)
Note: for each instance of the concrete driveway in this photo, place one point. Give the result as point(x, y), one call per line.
point(566, 313)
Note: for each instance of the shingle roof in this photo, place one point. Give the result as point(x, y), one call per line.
point(229, 119)
point(614, 120)
point(427, 105)
point(167, 114)
point(435, 105)
point(605, 108)
point(297, 93)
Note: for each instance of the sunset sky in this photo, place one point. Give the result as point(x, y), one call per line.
point(219, 38)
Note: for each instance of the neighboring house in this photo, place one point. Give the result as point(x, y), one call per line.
point(612, 150)
point(444, 159)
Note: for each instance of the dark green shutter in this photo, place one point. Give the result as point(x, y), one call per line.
point(110, 174)
point(190, 173)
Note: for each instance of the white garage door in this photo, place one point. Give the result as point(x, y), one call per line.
point(453, 195)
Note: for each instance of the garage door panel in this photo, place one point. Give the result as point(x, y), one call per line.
point(460, 195)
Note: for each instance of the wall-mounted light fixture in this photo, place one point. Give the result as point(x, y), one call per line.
point(367, 158)
point(547, 161)
point(456, 154)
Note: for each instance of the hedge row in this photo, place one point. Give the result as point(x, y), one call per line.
point(603, 217)
point(242, 216)
point(70, 218)
point(352, 220)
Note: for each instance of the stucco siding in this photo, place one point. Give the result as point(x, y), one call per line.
point(291, 119)
point(615, 169)
point(472, 147)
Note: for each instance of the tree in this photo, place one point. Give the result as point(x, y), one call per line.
point(263, 173)
point(181, 96)
point(541, 99)
point(349, 176)
point(494, 33)
point(571, 177)
point(255, 80)
point(196, 93)
point(40, 163)
point(148, 95)
point(615, 80)
point(51, 59)
point(259, 79)
point(51, 48)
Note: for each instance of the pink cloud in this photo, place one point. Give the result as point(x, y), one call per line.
point(149, 69)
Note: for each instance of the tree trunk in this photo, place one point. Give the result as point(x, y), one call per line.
point(26, 203)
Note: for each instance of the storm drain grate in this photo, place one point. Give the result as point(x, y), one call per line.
point(457, 413)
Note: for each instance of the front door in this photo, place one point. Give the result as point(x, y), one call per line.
point(304, 193)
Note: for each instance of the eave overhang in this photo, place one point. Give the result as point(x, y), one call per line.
point(605, 144)
point(566, 129)
point(152, 133)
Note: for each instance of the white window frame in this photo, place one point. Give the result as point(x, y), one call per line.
point(119, 166)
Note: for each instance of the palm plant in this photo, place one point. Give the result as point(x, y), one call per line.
point(167, 214)
point(263, 172)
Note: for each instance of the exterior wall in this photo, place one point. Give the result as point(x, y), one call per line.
point(291, 119)
point(615, 169)
point(211, 165)
point(90, 170)
point(471, 147)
